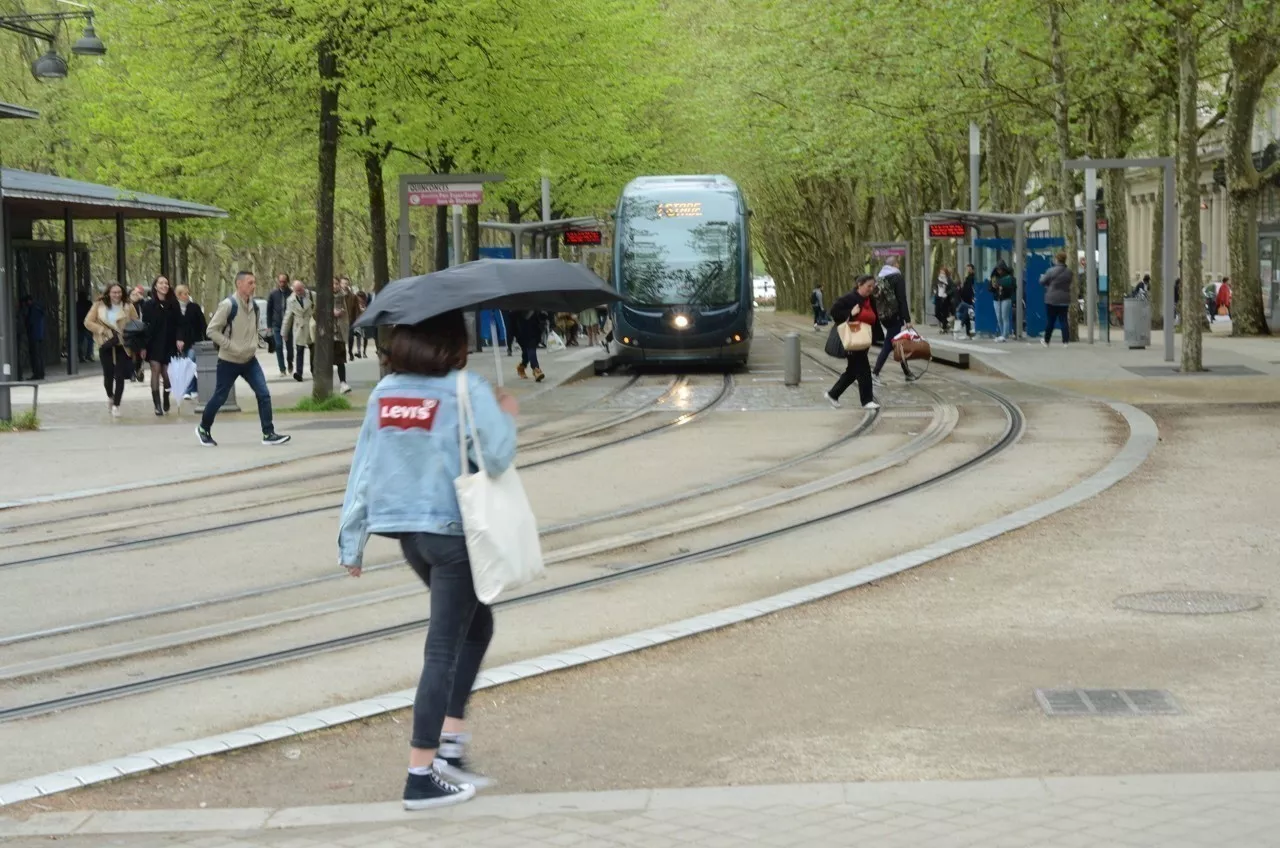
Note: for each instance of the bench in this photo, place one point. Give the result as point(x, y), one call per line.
point(7, 386)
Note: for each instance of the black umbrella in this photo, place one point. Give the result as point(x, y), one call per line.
point(515, 284)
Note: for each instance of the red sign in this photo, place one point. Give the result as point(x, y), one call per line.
point(948, 229)
point(446, 194)
point(582, 237)
point(407, 413)
point(1102, 224)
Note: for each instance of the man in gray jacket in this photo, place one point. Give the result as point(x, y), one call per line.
point(1057, 297)
point(234, 329)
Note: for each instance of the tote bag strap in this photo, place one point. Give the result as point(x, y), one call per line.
point(467, 423)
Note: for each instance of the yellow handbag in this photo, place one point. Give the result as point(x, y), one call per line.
point(855, 336)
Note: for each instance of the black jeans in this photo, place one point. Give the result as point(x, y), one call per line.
point(35, 352)
point(858, 368)
point(1054, 315)
point(117, 367)
point(228, 372)
point(457, 637)
point(892, 327)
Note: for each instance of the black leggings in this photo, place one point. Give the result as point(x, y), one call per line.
point(117, 367)
point(1055, 315)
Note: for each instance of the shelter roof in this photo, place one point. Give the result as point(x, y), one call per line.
point(46, 196)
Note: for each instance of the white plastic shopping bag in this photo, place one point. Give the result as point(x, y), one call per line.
point(554, 342)
point(501, 531)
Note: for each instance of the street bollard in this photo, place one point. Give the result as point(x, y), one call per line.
point(207, 375)
point(791, 360)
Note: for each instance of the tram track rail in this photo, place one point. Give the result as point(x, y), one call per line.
point(868, 423)
point(1014, 425)
point(679, 421)
point(6, 528)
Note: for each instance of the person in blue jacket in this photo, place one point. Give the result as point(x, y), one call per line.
point(401, 485)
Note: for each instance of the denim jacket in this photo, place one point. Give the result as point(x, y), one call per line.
point(407, 458)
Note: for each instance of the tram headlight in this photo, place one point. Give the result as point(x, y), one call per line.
point(680, 322)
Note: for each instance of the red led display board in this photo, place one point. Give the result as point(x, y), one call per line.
point(575, 237)
point(948, 229)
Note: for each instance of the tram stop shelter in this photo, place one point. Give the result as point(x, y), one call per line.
point(538, 232)
point(1022, 249)
point(55, 274)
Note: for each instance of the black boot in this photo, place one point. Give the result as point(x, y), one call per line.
point(166, 400)
point(155, 398)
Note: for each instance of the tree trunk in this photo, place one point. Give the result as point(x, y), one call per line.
point(184, 259)
point(1157, 223)
point(322, 384)
point(1065, 193)
point(1189, 190)
point(377, 218)
point(1254, 52)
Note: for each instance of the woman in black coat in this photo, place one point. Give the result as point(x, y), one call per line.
point(191, 329)
point(162, 316)
point(855, 306)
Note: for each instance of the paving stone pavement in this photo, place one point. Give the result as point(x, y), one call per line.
point(1170, 811)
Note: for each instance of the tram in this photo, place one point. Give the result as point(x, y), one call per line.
point(682, 261)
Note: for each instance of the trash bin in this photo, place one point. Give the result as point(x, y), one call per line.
point(207, 377)
point(1137, 322)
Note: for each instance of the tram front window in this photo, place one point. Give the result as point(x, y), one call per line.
point(680, 251)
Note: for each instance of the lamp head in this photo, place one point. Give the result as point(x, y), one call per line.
point(89, 44)
point(49, 66)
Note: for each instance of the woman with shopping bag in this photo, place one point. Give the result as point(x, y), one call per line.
point(433, 468)
point(854, 318)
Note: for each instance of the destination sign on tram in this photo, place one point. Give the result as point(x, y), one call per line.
point(948, 229)
point(680, 210)
point(580, 237)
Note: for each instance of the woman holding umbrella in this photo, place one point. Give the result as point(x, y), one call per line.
point(402, 485)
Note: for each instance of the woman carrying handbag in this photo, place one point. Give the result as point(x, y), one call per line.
point(406, 480)
point(854, 319)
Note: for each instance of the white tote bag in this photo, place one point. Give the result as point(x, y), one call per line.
point(502, 534)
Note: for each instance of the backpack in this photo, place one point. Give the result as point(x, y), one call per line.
point(884, 297)
point(235, 310)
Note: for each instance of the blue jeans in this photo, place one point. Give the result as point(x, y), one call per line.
point(227, 374)
point(1004, 317)
point(457, 637)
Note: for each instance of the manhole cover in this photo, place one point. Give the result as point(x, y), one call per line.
point(1106, 702)
point(1189, 603)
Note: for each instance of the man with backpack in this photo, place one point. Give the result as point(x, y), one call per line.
point(234, 329)
point(889, 297)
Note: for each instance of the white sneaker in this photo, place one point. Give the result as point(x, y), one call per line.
point(115, 411)
point(835, 403)
point(1000, 338)
point(346, 390)
point(871, 405)
point(875, 380)
point(1043, 343)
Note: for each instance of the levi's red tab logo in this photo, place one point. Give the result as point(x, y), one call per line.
point(407, 413)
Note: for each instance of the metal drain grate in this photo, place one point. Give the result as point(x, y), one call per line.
point(1189, 603)
point(1106, 702)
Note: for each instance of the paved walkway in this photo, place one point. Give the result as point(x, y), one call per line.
point(1239, 810)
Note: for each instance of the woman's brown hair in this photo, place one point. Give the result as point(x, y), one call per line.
point(432, 348)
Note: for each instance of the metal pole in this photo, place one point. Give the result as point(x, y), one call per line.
point(69, 262)
point(406, 244)
point(1019, 271)
point(164, 249)
point(927, 282)
point(1090, 247)
point(7, 330)
point(121, 264)
point(791, 360)
point(1169, 267)
point(546, 213)
point(975, 159)
point(458, 258)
